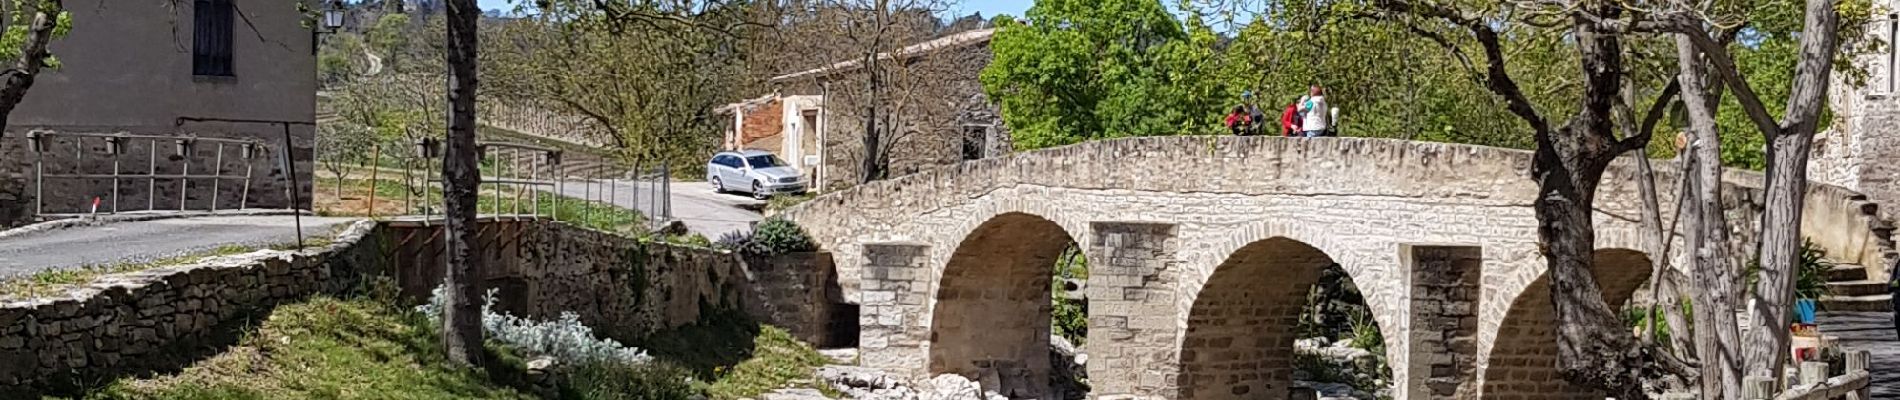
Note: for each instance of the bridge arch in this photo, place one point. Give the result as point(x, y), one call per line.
point(1523, 357)
point(1238, 340)
point(991, 313)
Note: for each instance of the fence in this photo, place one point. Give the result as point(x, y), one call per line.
point(519, 176)
point(1813, 382)
point(116, 146)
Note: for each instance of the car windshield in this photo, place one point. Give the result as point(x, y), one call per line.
point(764, 161)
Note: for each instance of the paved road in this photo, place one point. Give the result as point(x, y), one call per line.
point(704, 212)
point(149, 240)
point(1874, 332)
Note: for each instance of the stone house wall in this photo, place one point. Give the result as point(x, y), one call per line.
point(127, 67)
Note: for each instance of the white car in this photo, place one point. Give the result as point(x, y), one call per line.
point(753, 171)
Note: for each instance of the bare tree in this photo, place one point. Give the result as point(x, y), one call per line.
point(878, 61)
point(461, 313)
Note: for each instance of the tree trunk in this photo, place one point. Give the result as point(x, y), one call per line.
point(1780, 252)
point(1594, 348)
point(874, 130)
point(1787, 185)
point(461, 314)
point(1665, 296)
point(1715, 329)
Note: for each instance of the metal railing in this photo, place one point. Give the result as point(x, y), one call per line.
point(518, 177)
point(41, 143)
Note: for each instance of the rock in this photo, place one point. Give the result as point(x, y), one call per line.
point(671, 228)
point(953, 387)
point(841, 356)
point(540, 364)
point(856, 377)
point(794, 394)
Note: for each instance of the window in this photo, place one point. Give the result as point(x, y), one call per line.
point(975, 142)
point(211, 33)
point(765, 161)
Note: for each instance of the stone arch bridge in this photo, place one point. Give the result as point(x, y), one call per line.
point(1201, 250)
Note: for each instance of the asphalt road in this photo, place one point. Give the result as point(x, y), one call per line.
point(150, 240)
point(694, 203)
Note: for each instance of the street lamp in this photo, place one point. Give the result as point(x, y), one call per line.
point(332, 17)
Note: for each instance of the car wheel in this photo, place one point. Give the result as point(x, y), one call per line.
point(758, 191)
point(717, 187)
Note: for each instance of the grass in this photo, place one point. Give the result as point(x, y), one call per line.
point(737, 358)
point(389, 201)
point(369, 349)
point(782, 202)
point(50, 282)
point(324, 348)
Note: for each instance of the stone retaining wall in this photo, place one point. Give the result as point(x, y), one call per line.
point(623, 287)
point(162, 318)
point(165, 318)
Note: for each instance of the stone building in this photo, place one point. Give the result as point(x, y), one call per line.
point(243, 70)
point(814, 118)
point(1858, 151)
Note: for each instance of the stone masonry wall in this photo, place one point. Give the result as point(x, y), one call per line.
point(1356, 200)
point(623, 287)
point(1445, 283)
point(162, 318)
point(1239, 344)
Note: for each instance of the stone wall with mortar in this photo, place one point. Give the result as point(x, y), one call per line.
point(1355, 200)
point(162, 318)
point(623, 287)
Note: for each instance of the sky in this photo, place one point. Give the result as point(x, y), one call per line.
point(989, 8)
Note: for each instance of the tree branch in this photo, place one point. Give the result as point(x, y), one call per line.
point(1498, 78)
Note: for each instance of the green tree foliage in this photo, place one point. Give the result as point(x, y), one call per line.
point(652, 84)
point(1080, 69)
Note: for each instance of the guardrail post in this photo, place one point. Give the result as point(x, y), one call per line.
point(1813, 373)
point(1758, 388)
point(116, 147)
point(217, 173)
point(1860, 360)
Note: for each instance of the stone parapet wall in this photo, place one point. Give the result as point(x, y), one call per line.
point(162, 318)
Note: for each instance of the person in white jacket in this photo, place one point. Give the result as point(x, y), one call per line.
point(1314, 117)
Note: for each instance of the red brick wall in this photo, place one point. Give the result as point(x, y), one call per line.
point(761, 123)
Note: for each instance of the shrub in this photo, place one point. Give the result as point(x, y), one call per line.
point(734, 240)
point(565, 339)
point(627, 381)
point(1810, 280)
point(778, 236)
point(1069, 317)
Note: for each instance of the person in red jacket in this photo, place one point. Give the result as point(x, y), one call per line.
point(1238, 120)
point(1290, 120)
